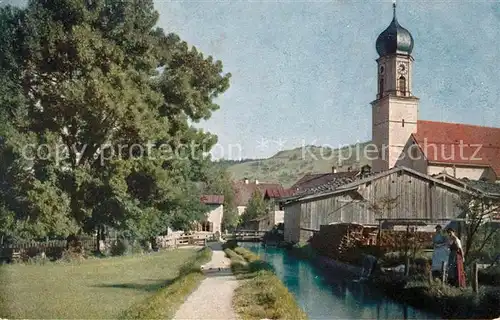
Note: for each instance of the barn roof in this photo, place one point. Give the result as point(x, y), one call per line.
point(318, 182)
point(356, 183)
point(491, 188)
point(485, 186)
point(459, 144)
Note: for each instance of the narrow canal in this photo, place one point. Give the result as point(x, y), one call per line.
point(322, 296)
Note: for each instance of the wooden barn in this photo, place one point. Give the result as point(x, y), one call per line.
point(399, 193)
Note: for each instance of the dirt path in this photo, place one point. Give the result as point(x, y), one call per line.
point(213, 298)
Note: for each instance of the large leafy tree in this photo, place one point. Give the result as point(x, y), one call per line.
point(96, 124)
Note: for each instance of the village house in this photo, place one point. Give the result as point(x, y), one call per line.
point(271, 192)
point(213, 220)
point(399, 138)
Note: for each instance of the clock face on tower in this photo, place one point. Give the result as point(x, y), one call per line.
point(402, 68)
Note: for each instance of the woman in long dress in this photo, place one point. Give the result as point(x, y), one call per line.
point(456, 274)
point(441, 252)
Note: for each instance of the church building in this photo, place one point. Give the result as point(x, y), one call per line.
point(429, 147)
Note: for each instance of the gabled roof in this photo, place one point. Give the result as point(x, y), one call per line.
point(244, 191)
point(491, 188)
point(451, 179)
point(314, 183)
point(355, 184)
point(276, 193)
point(306, 178)
point(212, 199)
point(459, 144)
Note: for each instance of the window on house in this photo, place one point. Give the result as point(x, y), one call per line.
point(207, 226)
point(402, 85)
point(414, 152)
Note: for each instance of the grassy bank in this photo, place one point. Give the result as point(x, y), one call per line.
point(168, 299)
point(95, 288)
point(262, 294)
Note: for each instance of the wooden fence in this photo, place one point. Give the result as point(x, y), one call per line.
point(55, 248)
point(197, 239)
point(50, 248)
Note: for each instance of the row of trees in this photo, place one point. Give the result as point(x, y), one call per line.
point(96, 107)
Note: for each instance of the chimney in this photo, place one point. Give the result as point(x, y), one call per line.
point(334, 169)
point(246, 180)
point(256, 181)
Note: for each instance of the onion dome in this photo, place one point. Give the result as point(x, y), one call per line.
point(394, 39)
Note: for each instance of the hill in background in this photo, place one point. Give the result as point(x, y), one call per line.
point(288, 166)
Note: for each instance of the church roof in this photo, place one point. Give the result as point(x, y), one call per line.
point(460, 144)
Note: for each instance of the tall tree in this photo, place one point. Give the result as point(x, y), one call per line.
point(257, 207)
point(105, 107)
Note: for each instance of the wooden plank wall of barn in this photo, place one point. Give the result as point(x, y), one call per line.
point(292, 223)
point(418, 198)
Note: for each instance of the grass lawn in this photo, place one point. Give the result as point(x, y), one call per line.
point(96, 288)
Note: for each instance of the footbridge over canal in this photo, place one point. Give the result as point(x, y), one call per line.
point(246, 235)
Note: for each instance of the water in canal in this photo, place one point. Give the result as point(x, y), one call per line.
point(322, 296)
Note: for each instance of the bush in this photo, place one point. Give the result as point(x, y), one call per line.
point(490, 276)
point(230, 244)
point(450, 302)
point(303, 251)
point(120, 248)
point(71, 255)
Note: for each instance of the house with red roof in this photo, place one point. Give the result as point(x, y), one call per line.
point(400, 138)
point(271, 192)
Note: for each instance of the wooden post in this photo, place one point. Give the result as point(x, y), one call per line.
point(379, 234)
point(430, 275)
point(475, 282)
point(443, 273)
point(407, 266)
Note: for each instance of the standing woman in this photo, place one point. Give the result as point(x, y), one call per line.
point(456, 273)
point(441, 252)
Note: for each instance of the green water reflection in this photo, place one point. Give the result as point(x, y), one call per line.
point(324, 296)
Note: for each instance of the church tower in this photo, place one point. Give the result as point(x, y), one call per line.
point(395, 110)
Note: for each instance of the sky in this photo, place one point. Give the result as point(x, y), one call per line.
point(304, 72)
